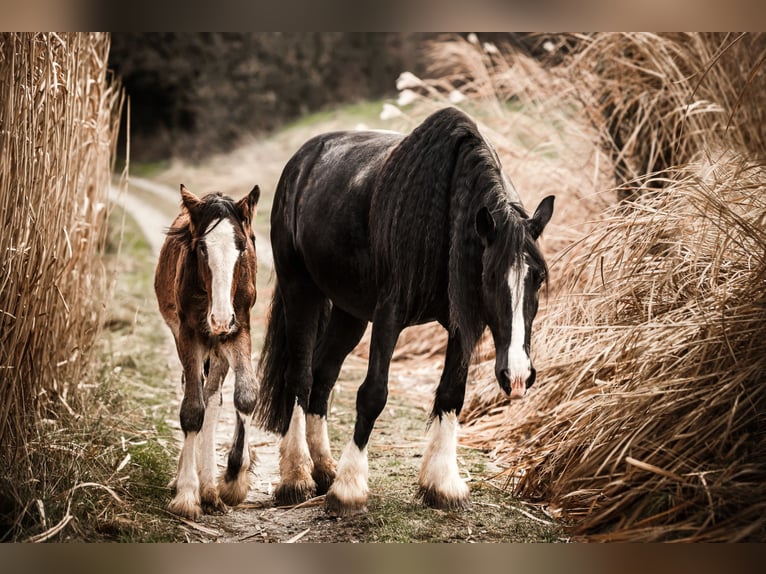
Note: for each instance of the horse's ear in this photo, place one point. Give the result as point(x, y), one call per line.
point(542, 216)
point(485, 225)
point(188, 199)
point(247, 204)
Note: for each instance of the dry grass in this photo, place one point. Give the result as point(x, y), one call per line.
point(647, 421)
point(59, 114)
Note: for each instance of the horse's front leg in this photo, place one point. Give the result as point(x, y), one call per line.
point(186, 501)
point(439, 481)
point(211, 501)
point(349, 493)
point(234, 484)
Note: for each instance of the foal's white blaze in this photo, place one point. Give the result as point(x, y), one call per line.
point(439, 471)
point(519, 365)
point(222, 255)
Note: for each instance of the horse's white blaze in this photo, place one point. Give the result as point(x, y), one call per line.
point(519, 365)
point(351, 480)
point(439, 471)
point(222, 255)
point(316, 435)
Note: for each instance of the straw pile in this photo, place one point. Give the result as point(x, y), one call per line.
point(59, 114)
point(647, 421)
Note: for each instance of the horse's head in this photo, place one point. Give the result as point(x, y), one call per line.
point(222, 241)
point(514, 270)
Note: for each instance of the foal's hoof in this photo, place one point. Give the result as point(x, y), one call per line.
point(186, 506)
point(211, 501)
point(334, 506)
point(437, 499)
point(233, 492)
point(291, 493)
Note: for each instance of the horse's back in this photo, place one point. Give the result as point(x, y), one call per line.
point(321, 214)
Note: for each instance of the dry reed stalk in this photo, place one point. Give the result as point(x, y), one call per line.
point(663, 98)
point(59, 115)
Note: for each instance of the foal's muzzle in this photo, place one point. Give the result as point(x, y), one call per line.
point(219, 327)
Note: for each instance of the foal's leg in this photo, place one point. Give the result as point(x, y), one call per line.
point(348, 494)
point(303, 305)
point(440, 482)
point(211, 501)
point(186, 501)
point(342, 334)
point(235, 482)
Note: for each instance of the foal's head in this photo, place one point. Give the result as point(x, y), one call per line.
point(222, 240)
point(514, 270)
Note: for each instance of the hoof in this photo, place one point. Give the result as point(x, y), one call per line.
point(291, 493)
point(211, 501)
point(233, 492)
point(324, 477)
point(437, 499)
point(186, 506)
point(334, 506)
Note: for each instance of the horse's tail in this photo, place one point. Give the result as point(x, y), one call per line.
point(275, 400)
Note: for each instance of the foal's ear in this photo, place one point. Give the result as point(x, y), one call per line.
point(247, 204)
point(542, 216)
point(188, 199)
point(485, 225)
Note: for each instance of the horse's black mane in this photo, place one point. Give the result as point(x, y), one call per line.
point(423, 215)
point(213, 207)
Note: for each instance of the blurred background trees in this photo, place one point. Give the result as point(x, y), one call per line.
point(192, 93)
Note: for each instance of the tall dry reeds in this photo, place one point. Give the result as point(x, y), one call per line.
point(59, 116)
point(646, 422)
point(661, 98)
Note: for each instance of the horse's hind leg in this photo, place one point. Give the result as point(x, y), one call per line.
point(211, 501)
point(234, 485)
point(342, 334)
point(303, 305)
point(440, 482)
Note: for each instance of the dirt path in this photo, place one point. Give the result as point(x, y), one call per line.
point(395, 449)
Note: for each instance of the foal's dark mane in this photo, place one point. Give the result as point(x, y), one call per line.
point(424, 212)
point(213, 207)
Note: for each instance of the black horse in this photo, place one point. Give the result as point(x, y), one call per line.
point(374, 226)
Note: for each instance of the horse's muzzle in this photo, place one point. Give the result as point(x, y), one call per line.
point(515, 387)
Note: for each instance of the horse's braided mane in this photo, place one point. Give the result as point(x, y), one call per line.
point(422, 221)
